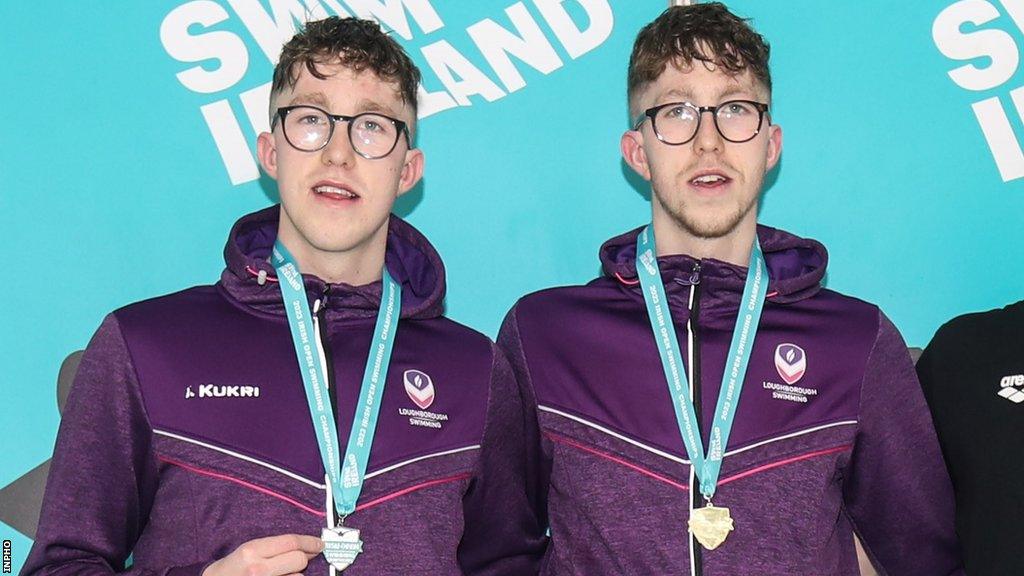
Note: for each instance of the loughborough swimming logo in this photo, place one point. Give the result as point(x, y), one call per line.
point(420, 388)
point(791, 362)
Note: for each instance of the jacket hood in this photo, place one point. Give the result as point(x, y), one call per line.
point(410, 258)
point(796, 266)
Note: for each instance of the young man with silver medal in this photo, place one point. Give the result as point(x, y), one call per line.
point(315, 402)
point(706, 406)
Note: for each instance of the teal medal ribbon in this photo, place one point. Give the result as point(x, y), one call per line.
point(344, 477)
point(710, 524)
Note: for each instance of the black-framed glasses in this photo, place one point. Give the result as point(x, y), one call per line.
point(677, 123)
point(372, 135)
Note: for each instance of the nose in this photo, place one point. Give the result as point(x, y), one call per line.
point(339, 151)
point(708, 138)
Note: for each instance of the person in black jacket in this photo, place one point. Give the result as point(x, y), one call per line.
point(973, 378)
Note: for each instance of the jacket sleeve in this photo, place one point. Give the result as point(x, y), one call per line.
point(103, 475)
point(897, 491)
point(538, 462)
point(503, 534)
point(932, 371)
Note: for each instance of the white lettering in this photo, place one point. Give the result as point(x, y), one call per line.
point(392, 14)
point(213, 391)
point(272, 30)
point(219, 59)
point(528, 44)
point(578, 42)
point(446, 60)
point(1015, 8)
point(337, 8)
point(431, 103)
point(227, 48)
point(790, 397)
point(256, 103)
point(995, 125)
point(1015, 380)
point(230, 142)
point(350, 474)
point(790, 389)
point(423, 414)
point(996, 45)
point(424, 423)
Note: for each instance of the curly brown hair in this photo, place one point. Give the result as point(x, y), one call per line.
point(352, 42)
point(708, 33)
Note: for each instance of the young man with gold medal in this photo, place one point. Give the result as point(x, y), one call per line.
point(706, 406)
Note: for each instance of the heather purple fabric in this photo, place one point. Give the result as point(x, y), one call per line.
point(854, 450)
point(149, 462)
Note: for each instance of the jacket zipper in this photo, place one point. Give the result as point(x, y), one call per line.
point(327, 362)
point(697, 497)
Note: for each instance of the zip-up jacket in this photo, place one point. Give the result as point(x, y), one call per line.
point(832, 435)
point(187, 431)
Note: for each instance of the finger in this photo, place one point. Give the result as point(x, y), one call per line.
point(310, 544)
point(277, 545)
point(287, 563)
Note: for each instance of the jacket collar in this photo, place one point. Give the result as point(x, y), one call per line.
point(796, 267)
point(411, 259)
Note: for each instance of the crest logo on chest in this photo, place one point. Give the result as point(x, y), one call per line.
point(419, 387)
point(790, 362)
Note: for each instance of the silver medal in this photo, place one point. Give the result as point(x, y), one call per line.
point(341, 546)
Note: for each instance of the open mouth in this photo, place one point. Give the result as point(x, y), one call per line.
point(710, 180)
point(335, 191)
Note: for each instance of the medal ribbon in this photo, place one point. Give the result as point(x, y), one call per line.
point(346, 479)
point(749, 317)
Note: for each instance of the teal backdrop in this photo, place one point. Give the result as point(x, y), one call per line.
point(126, 153)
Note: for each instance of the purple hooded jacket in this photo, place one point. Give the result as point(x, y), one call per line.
point(187, 431)
point(832, 435)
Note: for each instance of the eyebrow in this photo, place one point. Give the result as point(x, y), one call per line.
point(367, 105)
point(675, 93)
point(311, 98)
point(737, 91)
point(686, 95)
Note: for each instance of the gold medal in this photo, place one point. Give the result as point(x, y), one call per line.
point(710, 525)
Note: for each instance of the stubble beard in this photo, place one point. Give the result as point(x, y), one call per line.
point(706, 223)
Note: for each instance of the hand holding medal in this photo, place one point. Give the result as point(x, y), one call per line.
point(272, 556)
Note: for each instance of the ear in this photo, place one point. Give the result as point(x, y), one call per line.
point(412, 170)
point(266, 151)
point(774, 146)
point(632, 146)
